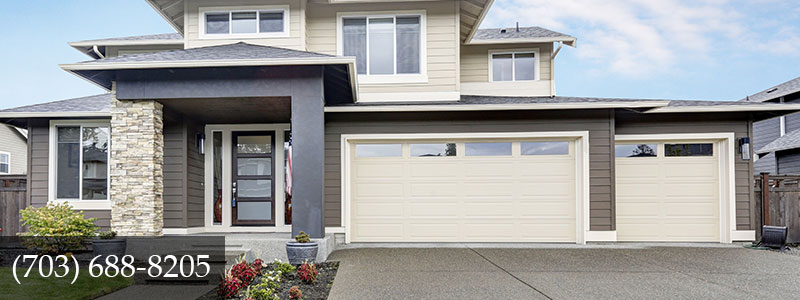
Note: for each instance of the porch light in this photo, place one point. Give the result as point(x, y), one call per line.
point(744, 148)
point(201, 142)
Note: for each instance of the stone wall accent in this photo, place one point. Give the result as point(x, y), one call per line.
point(137, 159)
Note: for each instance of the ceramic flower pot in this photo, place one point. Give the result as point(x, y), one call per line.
point(300, 252)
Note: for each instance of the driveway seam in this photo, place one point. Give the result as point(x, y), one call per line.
point(509, 274)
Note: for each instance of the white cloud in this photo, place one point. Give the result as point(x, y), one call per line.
point(646, 37)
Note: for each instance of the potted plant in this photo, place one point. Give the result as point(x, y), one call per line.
point(107, 244)
point(302, 249)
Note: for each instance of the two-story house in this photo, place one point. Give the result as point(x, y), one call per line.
point(403, 122)
point(777, 140)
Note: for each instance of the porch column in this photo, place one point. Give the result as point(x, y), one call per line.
point(308, 154)
point(137, 158)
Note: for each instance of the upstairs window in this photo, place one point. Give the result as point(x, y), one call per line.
point(255, 23)
point(514, 66)
point(384, 44)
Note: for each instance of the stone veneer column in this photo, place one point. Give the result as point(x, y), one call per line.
point(137, 160)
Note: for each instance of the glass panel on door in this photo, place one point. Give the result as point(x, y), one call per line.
point(253, 192)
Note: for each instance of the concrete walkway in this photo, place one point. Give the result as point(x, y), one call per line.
point(569, 273)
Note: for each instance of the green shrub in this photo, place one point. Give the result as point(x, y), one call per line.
point(266, 290)
point(303, 237)
point(56, 228)
point(107, 235)
point(282, 267)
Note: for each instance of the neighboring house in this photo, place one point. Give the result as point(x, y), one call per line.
point(777, 140)
point(407, 124)
point(13, 150)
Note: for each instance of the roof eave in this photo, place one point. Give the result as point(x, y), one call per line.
point(177, 27)
point(58, 114)
point(568, 40)
point(725, 108)
point(490, 107)
point(478, 22)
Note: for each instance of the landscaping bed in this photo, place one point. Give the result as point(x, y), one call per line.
point(279, 286)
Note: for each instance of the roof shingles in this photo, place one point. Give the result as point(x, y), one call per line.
point(239, 50)
point(512, 33)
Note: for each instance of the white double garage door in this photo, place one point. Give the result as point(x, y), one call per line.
point(521, 190)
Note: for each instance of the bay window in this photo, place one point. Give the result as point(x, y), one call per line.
point(384, 44)
point(80, 161)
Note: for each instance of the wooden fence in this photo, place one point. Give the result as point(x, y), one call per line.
point(780, 206)
point(12, 200)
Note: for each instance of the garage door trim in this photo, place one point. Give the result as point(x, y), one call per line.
point(727, 173)
point(581, 166)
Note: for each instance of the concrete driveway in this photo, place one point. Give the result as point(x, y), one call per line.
point(568, 273)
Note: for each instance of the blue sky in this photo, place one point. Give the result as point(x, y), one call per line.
point(676, 49)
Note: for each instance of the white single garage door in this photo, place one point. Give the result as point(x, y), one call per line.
point(668, 191)
point(463, 191)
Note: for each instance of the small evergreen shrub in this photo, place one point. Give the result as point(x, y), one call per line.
point(303, 237)
point(56, 228)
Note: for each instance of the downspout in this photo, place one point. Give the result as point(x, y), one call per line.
point(100, 55)
point(553, 69)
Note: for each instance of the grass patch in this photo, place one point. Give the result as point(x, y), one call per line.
point(36, 287)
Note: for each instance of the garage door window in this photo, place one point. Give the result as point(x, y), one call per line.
point(488, 149)
point(635, 150)
point(379, 150)
point(430, 150)
point(545, 148)
point(689, 149)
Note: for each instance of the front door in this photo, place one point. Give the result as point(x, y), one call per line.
point(253, 166)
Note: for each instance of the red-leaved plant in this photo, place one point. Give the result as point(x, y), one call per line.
point(258, 264)
point(244, 271)
point(295, 293)
point(229, 286)
point(308, 272)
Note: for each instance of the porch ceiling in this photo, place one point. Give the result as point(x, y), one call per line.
point(258, 110)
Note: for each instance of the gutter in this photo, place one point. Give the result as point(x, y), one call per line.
point(725, 108)
point(490, 107)
point(60, 114)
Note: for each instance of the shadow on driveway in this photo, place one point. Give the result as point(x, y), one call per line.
point(570, 273)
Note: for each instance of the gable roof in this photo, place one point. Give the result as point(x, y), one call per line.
point(775, 92)
point(89, 106)
point(790, 140)
point(533, 34)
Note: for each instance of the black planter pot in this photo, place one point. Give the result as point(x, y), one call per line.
point(300, 252)
point(104, 248)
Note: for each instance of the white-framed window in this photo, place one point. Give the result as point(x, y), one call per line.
point(513, 65)
point(5, 163)
point(389, 47)
point(79, 163)
point(244, 22)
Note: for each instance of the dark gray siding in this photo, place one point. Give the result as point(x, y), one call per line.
point(788, 162)
point(766, 164)
point(174, 171)
point(39, 148)
point(792, 122)
point(766, 131)
point(195, 175)
point(629, 123)
point(183, 172)
point(597, 122)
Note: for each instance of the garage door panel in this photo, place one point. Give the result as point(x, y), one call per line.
point(379, 210)
point(668, 199)
point(464, 198)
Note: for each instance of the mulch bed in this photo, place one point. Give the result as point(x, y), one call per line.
point(316, 291)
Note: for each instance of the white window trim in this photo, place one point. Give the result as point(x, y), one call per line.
point(536, 66)
point(365, 79)
point(203, 11)
point(9, 162)
point(52, 151)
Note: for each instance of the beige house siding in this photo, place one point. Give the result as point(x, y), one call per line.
point(475, 71)
point(630, 123)
point(442, 41)
point(296, 31)
point(13, 143)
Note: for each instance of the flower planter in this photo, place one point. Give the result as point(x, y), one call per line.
point(300, 252)
point(109, 247)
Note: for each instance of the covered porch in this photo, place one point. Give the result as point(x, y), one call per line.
point(203, 147)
